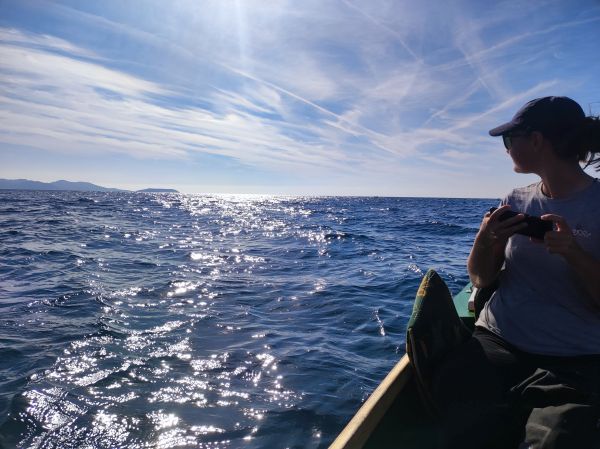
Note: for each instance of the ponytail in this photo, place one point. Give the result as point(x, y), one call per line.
point(581, 142)
point(590, 142)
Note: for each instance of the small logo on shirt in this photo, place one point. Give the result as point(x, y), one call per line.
point(579, 232)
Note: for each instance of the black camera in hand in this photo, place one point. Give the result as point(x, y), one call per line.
point(536, 227)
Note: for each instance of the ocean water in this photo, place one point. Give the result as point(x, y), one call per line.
point(173, 321)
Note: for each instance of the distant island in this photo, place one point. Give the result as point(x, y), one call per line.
point(26, 184)
point(158, 191)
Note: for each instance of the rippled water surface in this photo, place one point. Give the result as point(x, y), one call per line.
point(167, 320)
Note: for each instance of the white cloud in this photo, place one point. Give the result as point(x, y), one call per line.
point(12, 36)
point(56, 102)
point(29, 68)
point(457, 155)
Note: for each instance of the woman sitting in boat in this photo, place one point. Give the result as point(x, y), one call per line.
point(529, 377)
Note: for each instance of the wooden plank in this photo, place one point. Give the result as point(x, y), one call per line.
point(360, 427)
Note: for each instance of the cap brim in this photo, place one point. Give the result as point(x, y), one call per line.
point(503, 129)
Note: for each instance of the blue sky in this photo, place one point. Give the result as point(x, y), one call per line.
point(284, 97)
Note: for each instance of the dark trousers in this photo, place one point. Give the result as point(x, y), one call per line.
point(492, 395)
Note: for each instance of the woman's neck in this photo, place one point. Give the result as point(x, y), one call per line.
point(563, 180)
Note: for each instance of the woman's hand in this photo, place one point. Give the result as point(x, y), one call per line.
point(493, 231)
point(487, 254)
point(587, 267)
point(561, 240)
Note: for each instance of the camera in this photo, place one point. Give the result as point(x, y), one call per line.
point(536, 227)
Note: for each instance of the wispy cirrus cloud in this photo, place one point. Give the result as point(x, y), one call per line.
point(352, 88)
point(68, 104)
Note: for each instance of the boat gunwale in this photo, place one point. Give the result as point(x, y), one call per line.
point(362, 424)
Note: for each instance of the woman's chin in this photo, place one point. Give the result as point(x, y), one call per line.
point(518, 169)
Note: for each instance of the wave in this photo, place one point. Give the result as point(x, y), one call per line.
point(433, 228)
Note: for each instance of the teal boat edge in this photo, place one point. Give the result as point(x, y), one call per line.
point(461, 303)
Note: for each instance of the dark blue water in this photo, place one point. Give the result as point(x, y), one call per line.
point(167, 320)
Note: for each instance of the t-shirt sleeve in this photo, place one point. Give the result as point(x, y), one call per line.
point(505, 200)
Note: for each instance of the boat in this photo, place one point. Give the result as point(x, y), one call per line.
point(394, 415)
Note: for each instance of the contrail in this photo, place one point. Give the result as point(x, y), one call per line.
point(386, 28)
point(364, 131)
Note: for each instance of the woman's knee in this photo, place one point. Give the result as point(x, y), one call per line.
point(466, 376)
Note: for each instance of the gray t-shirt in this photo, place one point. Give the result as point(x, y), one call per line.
point(540, 305)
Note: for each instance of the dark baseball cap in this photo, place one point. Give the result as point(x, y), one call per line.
point(544, 114)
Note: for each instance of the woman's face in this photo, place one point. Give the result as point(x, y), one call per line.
point(523, 153)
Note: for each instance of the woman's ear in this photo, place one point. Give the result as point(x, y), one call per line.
point(537, 140)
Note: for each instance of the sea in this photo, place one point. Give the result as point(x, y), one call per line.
point(135, 320)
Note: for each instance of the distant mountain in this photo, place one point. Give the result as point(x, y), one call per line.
point(26, 184)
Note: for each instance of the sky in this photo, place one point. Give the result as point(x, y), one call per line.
point(311, 97)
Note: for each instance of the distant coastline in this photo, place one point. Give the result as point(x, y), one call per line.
point(27, 184)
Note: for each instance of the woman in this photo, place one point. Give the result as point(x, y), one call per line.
point(530, 374)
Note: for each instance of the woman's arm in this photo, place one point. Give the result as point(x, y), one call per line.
point(487, 254)
point(485, 261)
point(587, 267)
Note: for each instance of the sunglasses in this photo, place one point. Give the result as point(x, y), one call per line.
point(507, 139)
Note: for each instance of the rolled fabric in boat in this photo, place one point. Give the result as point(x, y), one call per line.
point(434, 329)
